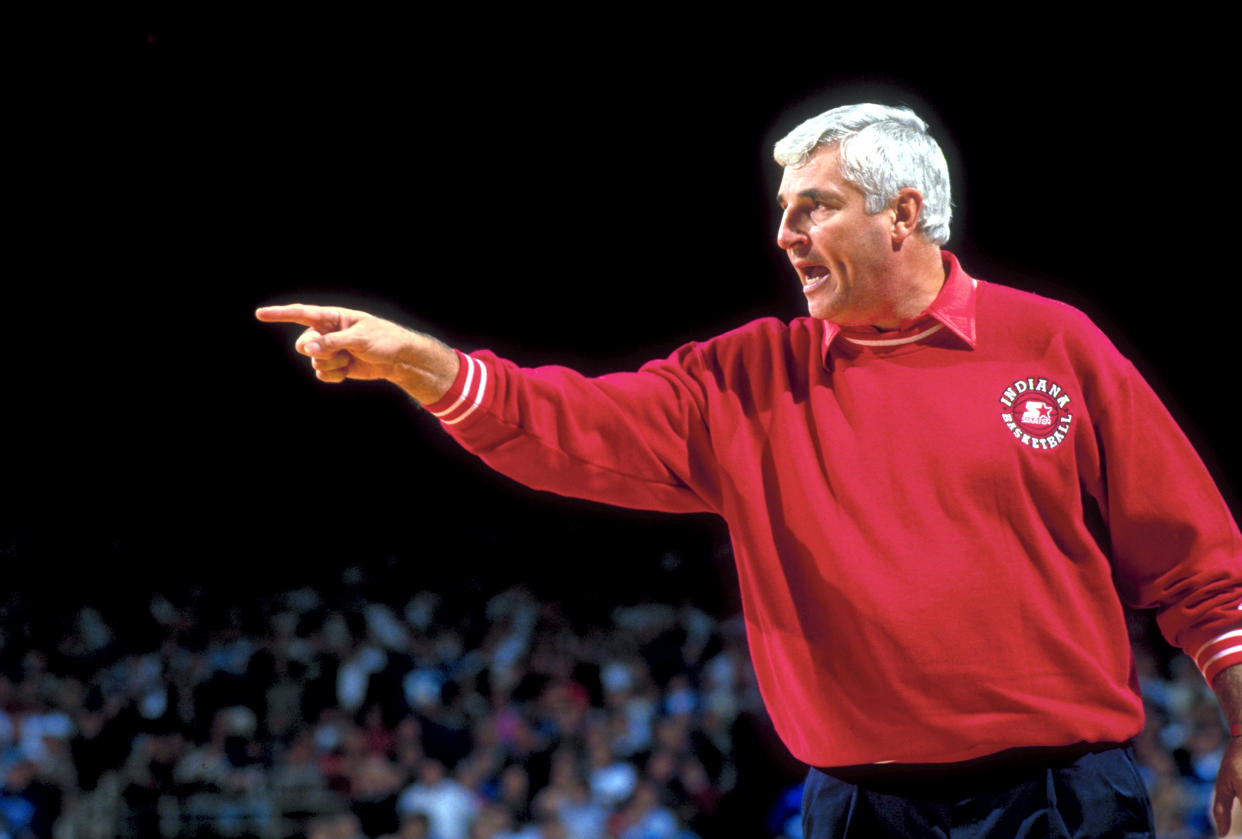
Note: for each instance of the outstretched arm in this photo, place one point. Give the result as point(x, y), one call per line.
point(348, 344)
point(632, 439)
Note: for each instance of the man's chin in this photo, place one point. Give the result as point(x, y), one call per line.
point(822, 312)
point(821, 304)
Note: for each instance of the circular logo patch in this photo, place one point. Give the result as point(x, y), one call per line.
point(1037, 412)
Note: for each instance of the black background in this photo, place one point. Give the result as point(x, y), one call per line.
point(591, 193)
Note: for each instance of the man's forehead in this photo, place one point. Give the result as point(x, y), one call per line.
point(820, 175)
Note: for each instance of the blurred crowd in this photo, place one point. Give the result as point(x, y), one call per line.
point(351, 711)
point(339, 714)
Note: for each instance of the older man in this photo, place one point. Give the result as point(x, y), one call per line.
point(936, 488)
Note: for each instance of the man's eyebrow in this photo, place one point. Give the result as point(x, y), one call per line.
point(811, 193)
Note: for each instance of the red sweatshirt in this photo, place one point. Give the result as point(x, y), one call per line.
point(929, 525)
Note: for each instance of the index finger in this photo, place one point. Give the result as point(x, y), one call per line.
point(320, 317)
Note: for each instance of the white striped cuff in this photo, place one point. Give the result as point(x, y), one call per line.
point(466, 394)
point(1218, 653)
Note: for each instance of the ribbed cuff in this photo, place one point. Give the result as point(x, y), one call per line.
point(466, 393)
point(1223, 651)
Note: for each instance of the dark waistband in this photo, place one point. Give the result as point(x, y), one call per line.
point(933, 779)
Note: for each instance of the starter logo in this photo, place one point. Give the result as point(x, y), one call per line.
point(1037, 412)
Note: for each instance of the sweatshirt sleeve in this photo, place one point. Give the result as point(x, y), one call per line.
point(1176, 547)
point(631, 439)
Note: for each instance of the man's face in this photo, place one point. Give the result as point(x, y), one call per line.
point(840, 252)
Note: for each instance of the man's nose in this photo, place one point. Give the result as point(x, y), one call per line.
point(787, 235)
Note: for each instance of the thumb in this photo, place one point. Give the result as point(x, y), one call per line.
point(345, 339)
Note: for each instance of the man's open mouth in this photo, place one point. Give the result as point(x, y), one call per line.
point(813, 276)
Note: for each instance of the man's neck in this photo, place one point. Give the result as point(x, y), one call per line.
point(923, 273)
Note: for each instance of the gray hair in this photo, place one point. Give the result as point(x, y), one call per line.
point(883, 150)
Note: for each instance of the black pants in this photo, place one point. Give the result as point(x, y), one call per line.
point(1028, 794)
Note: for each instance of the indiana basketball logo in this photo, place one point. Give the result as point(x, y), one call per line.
point(1036, 411)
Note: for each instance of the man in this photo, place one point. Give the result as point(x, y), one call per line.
point(932, 485)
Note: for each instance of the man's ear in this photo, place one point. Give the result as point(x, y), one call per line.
point(907, 207)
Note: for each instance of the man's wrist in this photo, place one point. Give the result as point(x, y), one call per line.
point(1228, 688)
point(426, 370)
